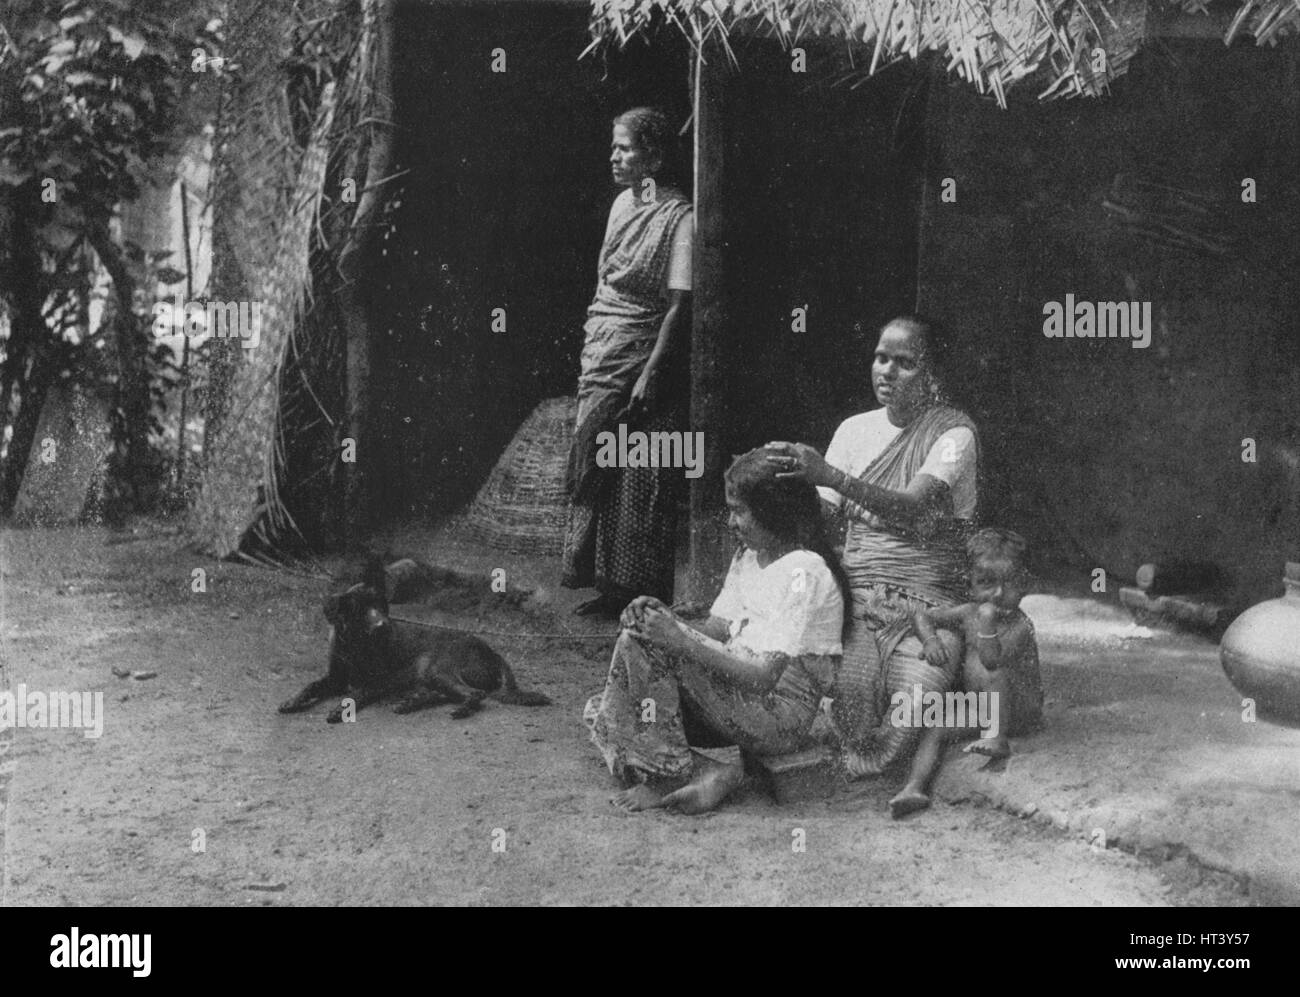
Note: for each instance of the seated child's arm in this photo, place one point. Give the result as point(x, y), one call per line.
point(1004, 648)
point(927, 622)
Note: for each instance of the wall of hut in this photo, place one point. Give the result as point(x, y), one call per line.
point(1107, 455)
point(1104, 455)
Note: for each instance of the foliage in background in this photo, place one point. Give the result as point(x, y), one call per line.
point(96, 97)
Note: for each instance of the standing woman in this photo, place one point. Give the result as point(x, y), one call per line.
point(623, 520)
point(904, 477)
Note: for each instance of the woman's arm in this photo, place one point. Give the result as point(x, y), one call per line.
point(675, 320)
point(634, 616)
point(760, 675)
point(715, 627)
point(922, 505)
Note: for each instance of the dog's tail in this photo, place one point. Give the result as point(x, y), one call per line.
point(515, 696)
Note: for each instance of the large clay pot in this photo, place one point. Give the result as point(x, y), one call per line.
point(1261, 652)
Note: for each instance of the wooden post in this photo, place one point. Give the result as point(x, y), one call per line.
point(710, 544)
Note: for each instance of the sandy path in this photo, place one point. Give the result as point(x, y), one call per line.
point(404, 809)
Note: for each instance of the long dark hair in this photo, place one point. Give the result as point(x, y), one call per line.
point(788, 508)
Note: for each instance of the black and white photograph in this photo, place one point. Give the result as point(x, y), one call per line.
point(515, 453)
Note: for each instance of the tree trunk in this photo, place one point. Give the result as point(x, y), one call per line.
point(28, 339)
point(35, 387)
point(354, 267)
point(132, 396)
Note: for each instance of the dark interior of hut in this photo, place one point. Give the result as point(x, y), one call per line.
point(506, 200)
point(504, 207)
point(1096, 450)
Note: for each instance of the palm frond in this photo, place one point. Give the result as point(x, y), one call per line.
point(266, 202)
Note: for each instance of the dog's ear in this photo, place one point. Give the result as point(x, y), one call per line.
point(375, 576)
point(332, 608)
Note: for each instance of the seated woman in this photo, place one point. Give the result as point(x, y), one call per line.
point(751, 677)
point(904, 476)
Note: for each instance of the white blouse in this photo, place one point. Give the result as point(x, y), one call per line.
point(861, 438)
point(792, 606)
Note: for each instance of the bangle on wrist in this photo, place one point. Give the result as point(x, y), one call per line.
point(990, 636)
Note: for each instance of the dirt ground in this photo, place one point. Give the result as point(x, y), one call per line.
point(406, 809)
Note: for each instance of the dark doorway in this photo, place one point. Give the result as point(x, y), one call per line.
point(503, 206)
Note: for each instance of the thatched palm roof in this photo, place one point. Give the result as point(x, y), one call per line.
point(991, 43)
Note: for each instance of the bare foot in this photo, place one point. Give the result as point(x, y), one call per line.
point(708, 789)
point(909, 801)
point(639, 797)
point(994, 747)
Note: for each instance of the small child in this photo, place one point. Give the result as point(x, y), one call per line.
point(996, 654)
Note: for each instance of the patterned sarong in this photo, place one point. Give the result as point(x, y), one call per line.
point(638, 744)
point(620, 535)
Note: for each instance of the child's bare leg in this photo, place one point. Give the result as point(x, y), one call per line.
point(916, 794)
point(996, 685)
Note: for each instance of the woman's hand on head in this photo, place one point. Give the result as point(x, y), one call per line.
point(801, 462)
point(633, 616)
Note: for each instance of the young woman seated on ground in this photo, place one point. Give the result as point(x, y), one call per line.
point(682, 700)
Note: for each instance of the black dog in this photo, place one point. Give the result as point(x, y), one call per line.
point(373, 657)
